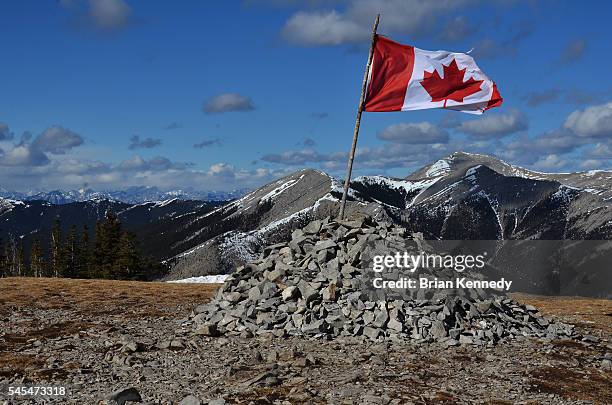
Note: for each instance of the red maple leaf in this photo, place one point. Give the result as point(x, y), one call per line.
point(452, 86)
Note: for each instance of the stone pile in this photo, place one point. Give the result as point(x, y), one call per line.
point(312, 286)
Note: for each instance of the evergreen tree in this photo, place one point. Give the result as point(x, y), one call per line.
point(95, 259)
point(113, 254)
point(68, 257)
point(20, 262)
point(108, 234)
point(56, 249)
point(37, 259)
point(128, 262)
point(84, 255)
point(11, 256)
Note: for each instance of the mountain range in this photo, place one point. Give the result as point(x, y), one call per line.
point(463, 196)
point(131, 195)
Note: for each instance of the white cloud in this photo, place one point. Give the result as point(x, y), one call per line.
point(23, 155)
point(550, 162)
point(495, 125)
point(593, 121)
point(54, 140)
point(143, 143)
point(590, 164)
point(227, 102)
point(331, 27)
point(322, 28)
point(64, 172)
point(414, 133)
point(222, 169)
point(57, 140)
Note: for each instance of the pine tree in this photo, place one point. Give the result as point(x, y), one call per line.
point(56, 249)
point(128, 262)
point(20, 262)
point(106, 247)
point(84, 255)
point(96, 259)
point(11, 256)
point(68, 257)
point(37, 259)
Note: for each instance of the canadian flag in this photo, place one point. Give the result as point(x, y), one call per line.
point(403, 78)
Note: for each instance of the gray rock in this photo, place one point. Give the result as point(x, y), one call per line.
point(395, 325)
point(370, 332)
point(274, 275)
point(290, 293)
point(590, 339)
point(467, 340)
point(308, 293)
point(318, 326)
point(254, 293)
point(190, 400)
point(312, 228)
point(207, 330)
point(325, 244)
point(123, 395)
point(437, 330)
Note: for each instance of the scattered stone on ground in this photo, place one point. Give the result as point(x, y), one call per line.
point(313, 286)
point(80, 333)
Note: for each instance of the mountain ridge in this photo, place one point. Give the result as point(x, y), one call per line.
point(131, 195)
point(462, 196)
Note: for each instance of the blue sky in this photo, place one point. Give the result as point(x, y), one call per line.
point(224, 95)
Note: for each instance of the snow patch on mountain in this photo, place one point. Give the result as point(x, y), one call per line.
point(280, 189)
point(407, 185)
point(470, 174)
point(296, 215)
point(236, 244)
point(439, 168)
point(337, 186)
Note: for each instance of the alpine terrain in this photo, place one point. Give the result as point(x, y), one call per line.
point(463, 196)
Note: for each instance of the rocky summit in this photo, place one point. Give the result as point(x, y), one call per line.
point(313, 286)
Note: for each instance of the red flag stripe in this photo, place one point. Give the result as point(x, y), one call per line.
point(496, 98)
point(392, 65)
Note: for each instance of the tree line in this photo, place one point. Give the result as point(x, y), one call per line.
point(112, 254)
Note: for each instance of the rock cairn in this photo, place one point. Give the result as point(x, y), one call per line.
point(311, 287)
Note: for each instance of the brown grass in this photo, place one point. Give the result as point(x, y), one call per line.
point(16, 363)
point(121, 299)
point(590, 313)
point(595, 386)
point(103, 297)
point(80, 302)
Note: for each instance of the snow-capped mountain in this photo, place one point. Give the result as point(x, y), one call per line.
point(131, 195)
point(463, 196)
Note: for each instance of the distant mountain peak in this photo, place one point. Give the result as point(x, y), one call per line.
point(130, 195)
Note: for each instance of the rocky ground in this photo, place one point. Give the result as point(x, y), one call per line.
point(104, 337)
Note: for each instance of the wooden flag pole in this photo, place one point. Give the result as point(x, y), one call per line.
point(349, 170)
